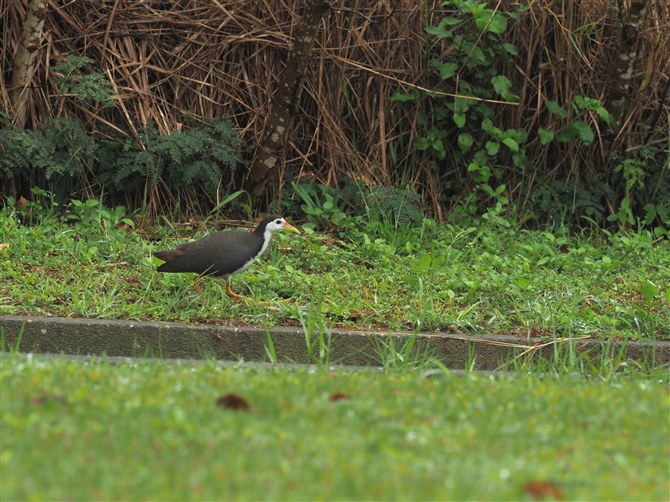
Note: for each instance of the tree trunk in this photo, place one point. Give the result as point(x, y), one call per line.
point(633, 14)
point(285, 103)
point(25, 58)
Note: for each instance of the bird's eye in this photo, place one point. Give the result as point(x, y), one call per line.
point(278, 222)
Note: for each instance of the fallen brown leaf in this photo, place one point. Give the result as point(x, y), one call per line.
point(540, 490)
point(233, 401)
point(338, 396)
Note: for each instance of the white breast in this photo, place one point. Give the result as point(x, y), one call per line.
point(266, 240)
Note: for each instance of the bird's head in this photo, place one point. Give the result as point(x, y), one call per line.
point(276, 223)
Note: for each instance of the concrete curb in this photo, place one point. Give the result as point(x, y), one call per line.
point(182, 341)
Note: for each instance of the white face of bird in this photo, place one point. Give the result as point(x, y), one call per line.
point(281, 224)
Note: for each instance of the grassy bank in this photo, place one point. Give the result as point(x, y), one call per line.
point(82, 431)
point(491, 278)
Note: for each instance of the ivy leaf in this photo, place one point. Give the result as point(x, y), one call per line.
point(554, 107)
point(398, 96)
point(520, 135)
point(498, 22)
point(511, 49)
point(503, 86)
point(461, 105)
point(511, 144)
point(492, 147)
point(481, 157)
point(584, 131)
point(488, 126)
point(604, 114)
point(421, 143)
point(483, 174)
point(465, 141)
point(520, 160)
point(546, 136)
point(459, 119)
point(448, 70)
point(439, 32)
point(477, 57)
point(567, 134)
point(450, 21)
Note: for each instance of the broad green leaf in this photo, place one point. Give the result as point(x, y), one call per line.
point(425, 261)
point(451, 21)
point(477, 57)
point(649, 290)
point(398, 96)
point(520, 160)
point(486, 188)
point(492, 147)
point(481, 157)
point(522, 282)
point(584, 131)
point(511, 144)
point(465, 141)
point(519, 135)
point(580, 102)
point(554, 107)
point(459, 119)
point(483, 174)
point(421, 143)
point(412, 279)
point(604, 114)
point(448, 70)
point(546, 136)
point(503, 86)
point(511, 49)
point(567, 134)
point(498, 22)
point(439, 31)
point(488, 126)
point(461, 105)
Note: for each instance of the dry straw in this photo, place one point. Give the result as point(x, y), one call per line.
point(222, 59)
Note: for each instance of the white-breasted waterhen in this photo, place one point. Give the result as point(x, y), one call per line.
point(223, 254)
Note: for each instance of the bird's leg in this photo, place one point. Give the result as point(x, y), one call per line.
point(235, 296)
point(230, 292)
point(197, 285)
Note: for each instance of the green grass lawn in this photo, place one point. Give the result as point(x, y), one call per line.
point(492, 278)
point(93, 431)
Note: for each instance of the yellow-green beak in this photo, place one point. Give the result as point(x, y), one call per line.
point(290, 228)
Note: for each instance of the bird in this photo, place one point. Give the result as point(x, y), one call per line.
point(223, 254)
